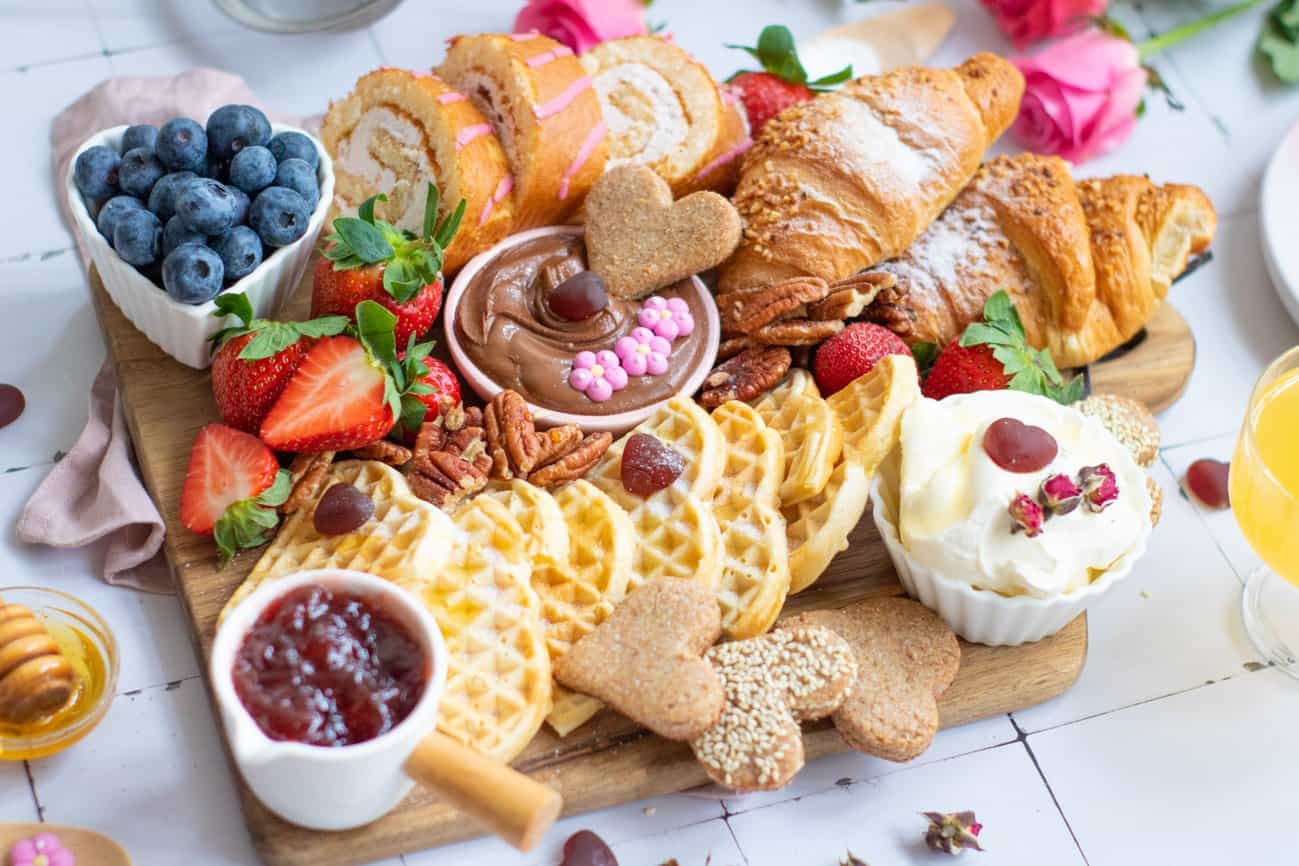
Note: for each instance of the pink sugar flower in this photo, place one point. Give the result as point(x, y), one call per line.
point(43, 849)
point(642, 352)
point(667, 318)
point(597, 374)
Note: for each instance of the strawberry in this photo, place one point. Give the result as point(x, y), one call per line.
point(232, 489)
point(992, 355)
point(853, 352)
point(253, 361)
point(437, 388)
point(962, 369)
point(370, 260)
point(783, 83)
point(350, 390)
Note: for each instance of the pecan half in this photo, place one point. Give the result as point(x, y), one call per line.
point(573, 464)
point(557, 442)
point(511, 436)
point(796, 332)
point(849, 297)
point(453, 471)
point(746, 311)
point(749, 374)
point(308, 473)
point(385, 452)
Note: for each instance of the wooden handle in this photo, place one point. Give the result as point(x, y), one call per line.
point(513, 806)
point(35, 678)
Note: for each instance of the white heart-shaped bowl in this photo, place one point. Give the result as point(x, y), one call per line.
point(183, 330)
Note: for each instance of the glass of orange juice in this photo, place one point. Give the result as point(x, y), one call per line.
point(1265, 499)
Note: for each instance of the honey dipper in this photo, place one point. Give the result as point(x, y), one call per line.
point(35, 677)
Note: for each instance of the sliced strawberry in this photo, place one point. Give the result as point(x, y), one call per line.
point(783, 81)
point(370, 260)
point(254, 360)
point(232, 488)
point(337, 400)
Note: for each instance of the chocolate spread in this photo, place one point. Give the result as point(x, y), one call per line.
point(507, 330)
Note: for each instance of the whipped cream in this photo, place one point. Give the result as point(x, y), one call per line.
point(953, 513)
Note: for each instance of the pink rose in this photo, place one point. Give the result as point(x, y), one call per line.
point(1026, 21)
point(582, 24)
point(1081, 95)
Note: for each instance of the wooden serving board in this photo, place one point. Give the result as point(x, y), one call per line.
point(609, 760)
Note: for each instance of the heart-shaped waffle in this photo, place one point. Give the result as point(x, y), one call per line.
point(646, 660)
point(772, 683)
point(812, 434)
point(639, 240)
point(906, 658)
point(870, 407)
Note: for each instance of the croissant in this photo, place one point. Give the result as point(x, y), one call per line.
point(1087, 263)
point(396, 132)
point(852, 177)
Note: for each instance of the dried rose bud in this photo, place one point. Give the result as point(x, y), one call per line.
point(1027, 515)
point(852, 860)
point(1100, 486)
point(952, 832)
point(1059, 495)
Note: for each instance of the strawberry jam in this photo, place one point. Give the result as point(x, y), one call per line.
point(328, 668)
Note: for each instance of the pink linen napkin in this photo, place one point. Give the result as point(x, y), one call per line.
point(95, 491)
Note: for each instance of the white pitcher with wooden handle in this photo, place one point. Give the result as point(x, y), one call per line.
point(340, 788)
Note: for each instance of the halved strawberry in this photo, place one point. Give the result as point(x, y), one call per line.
point(370, 260)
point(334, 402)
point(254, 360)
point(783, 83)
point(232, 488)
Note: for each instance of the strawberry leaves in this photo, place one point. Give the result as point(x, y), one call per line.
point(250, 522)
point(409, 263)
point(402, 386)
point(269, 337)
point(776, 52)
point(1032, 371)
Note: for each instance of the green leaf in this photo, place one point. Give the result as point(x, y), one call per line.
point(447, 231)
point(413, 412)
point(366, 211)
point(362, 239)
point(374, 328)
point(1279, 41)
point(271, 338)
point(325, 326)
point(430, 211)
point(980, 333)
point(777, 54)
point(234, 304)
point(401, 280)
point(1069, 393)
point(998, 308)
point(834, 78)
point(278, 493)
point(247, 523)
point(924, 353)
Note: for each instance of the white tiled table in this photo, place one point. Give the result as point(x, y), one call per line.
point(1173, 747)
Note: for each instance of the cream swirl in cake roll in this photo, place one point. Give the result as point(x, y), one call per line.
point(544, 110)
point(955, 514)
point(397, 132)
point(662, 107)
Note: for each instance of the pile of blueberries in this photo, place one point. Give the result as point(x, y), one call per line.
point(196, 208)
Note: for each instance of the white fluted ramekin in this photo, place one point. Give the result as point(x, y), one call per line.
point(182, 330)
point(980, 615)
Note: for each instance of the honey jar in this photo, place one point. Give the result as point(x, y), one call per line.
point(89, 647)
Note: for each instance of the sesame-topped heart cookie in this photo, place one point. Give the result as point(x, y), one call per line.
point(639, 240)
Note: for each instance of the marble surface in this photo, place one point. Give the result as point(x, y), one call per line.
point(1172, 747)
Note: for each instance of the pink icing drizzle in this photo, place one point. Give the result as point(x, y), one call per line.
point(593, 138)
point(469, 133)
point(502, 190)
point(728, 157)
point(546, 56)
point(524, 37)
point(451, 96)
point(563, 100)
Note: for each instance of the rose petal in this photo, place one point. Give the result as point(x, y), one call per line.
point(1088, 61)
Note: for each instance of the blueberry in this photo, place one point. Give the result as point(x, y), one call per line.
point(113, 210)
point(162, 198)
point(252, 169)
point(279, 216)
point(174, 233)
point(139, 171)
point(140, 135)
point(241, 204)
point(137, 237)
point(296, 175)
point(206, 206)
point(295, 145)
point(231, 128)
point(213, 168)
point(182, 145)
point(240, 250)
point(95, 172)
point(192, 274)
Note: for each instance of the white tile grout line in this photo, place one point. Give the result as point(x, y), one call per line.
point(726, 822)
point(31, 787)
point(1023, 738)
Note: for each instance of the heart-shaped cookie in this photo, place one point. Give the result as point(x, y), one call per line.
point(772, 683)
point(639, 241)
point(906, 659)
point(646, 659)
